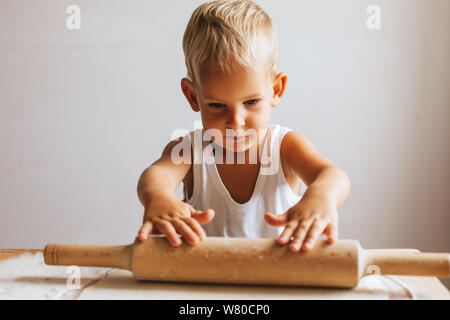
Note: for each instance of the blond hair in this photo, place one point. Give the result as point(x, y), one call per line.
point(225, 35)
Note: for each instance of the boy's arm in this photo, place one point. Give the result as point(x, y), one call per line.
point(164, 212)
point(316, 212)
point(162, 175)
point(318, 173)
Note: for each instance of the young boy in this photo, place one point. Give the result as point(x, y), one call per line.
point(231, 54)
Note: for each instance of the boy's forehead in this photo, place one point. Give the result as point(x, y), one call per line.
point(239, 84)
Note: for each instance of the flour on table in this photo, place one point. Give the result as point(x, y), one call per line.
point(28, 277)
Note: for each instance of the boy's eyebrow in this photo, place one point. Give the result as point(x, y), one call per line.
point(250, 96)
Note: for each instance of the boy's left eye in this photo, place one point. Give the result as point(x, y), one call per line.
point(252, 101)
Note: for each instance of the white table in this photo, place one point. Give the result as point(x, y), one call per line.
point(23, 275)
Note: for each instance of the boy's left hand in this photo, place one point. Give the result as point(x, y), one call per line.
point(315, 214)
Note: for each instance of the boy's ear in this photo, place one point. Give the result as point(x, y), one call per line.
point(189, 92)
point(279, 84)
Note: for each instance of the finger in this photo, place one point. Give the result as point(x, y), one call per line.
point(186, 232)
point(203, 216)
point(276, 220)
point(145, 230)
point(166, 228)
point(196, 227)
point(299, 235)
point(287, 232)
point(332, 232)
point(313, 234)
point(155, 231)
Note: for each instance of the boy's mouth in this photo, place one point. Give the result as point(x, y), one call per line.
point(235, 137)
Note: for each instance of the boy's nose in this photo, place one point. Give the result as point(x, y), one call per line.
point(235, 121)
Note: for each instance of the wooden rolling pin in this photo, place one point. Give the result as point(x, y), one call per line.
point(251, 261)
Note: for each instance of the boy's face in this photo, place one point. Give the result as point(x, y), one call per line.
point(236, 104)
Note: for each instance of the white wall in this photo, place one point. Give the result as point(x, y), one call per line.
point(84, 112)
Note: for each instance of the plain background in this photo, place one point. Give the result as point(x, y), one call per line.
point(84, 112)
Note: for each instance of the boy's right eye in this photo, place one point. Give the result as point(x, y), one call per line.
point(215, 105)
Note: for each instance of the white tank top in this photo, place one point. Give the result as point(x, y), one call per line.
point(272, 193)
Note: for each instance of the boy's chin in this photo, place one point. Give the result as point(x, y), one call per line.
point(238, 146)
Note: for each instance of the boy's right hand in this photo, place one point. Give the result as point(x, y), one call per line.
point(168, 215)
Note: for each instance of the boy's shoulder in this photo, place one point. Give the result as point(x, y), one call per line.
point(291, 140)
point(302, 157)
point(178, 151)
